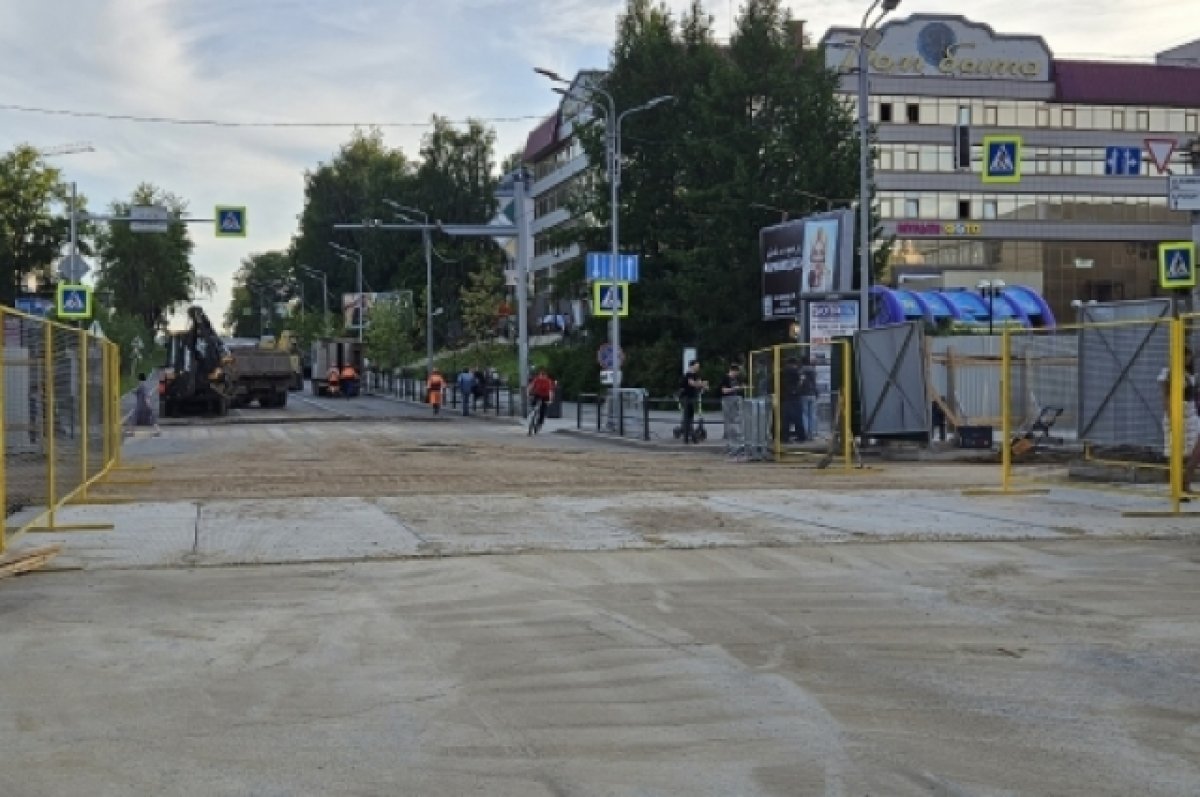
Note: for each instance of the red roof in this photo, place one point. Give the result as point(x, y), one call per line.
point(542, 139)
point(1107, 83)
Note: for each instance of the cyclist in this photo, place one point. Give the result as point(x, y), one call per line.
point(540, 391)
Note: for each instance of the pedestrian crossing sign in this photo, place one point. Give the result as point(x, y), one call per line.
point(1002, 159)
point(608, 297)
point(231, 222)
point(1177, 264)
point(74, 302)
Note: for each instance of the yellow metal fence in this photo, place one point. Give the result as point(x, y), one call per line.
point(1109, 405)
point(60, 419)
point(822, 421)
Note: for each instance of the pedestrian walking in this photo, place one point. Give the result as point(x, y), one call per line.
point(809, 392)
point(731, 389)
point(1191, 420)
point(479, 389)
point(143, 410)
point(792, 409)
point(434, 387)
point(689, 394)
point(466, 389)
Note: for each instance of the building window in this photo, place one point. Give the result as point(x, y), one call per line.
point(989, 115)
point(1068, 117)
point(1190, 123)
point(913, 113)
point(885, 159)
point(1143, 120)
point(964, 208)
point(989, 208)
point(885, 112)
point(912, 208)
point(1118, 120)
point(1043, 117)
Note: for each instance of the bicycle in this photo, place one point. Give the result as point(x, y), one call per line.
point(535, 420)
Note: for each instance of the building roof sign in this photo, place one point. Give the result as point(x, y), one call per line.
point(928, 45)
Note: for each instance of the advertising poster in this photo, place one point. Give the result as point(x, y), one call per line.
point(820, 257)
point(782, 250)
point(827, 320)
point(350, 306)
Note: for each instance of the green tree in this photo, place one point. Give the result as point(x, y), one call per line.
point(31, 236)
point(757, 122)
point(148, 274)
point(480, 300)
point(388, 335)
point(263, 281)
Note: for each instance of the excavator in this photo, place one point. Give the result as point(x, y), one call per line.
point(195, 377)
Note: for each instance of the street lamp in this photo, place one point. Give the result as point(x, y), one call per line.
point(352, 256)
point(868, 37)
point(613, 122)
point(427, 240)
point(324, 293)
point(990, 288)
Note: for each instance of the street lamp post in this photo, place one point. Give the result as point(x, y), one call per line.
point(427, 241)
point(613, 141)
point(864, 155)
point(990, 288)
point(352, 256)
point(324, 294)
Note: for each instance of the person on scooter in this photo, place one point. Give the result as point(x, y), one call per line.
point(689, 395)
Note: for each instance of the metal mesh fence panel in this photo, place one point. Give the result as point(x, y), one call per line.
point(801, 387)
point(66, 401)
point(25, 446)
point(1089, 403)
point(61, 429)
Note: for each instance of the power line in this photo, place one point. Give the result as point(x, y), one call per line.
point(172, 120)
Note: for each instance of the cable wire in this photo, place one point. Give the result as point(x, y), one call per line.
point(171, 120)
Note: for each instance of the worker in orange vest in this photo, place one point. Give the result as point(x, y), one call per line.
point(434, 387)
point(333, 381)
point(349, 381)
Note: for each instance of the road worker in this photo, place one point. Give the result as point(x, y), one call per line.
point(434, 387)
point(349, 381)
point(333, 381)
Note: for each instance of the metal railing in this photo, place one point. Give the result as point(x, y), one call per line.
point(498, 399)
point(60, 419)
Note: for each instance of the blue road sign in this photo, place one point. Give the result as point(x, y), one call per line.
point(1122, 161)
point(231, 222)
point(1177, 264)
point(604, 356)
point(1001, 159)
point(598, 267)
point(74, 301)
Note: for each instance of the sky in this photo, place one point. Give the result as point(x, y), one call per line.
point(395, 62)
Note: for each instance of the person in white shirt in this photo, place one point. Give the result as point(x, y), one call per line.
point(1191, 420)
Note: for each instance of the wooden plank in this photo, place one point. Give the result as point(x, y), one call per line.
point(26, 561)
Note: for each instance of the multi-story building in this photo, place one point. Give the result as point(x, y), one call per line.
point(1085, 218)
point(556, 158)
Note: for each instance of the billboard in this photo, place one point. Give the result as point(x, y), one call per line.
point(809, 258)
point(782, 251)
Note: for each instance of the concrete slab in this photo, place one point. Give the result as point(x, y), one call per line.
point(143, 535)
point(250, 532)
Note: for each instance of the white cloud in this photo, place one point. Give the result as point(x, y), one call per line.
point(371, 60)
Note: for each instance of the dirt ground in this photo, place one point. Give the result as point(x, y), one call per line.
point(378, 460)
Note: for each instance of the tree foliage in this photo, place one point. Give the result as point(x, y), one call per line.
point(31, 235)
point(452, 181)
point(388, 335)
point(263, 281)
point(757, 122)
point(480, 299)
point(148, 274)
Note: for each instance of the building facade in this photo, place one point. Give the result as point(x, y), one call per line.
point(1084, 219)
point(558, 163)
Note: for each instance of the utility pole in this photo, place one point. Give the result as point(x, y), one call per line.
point(524, 251)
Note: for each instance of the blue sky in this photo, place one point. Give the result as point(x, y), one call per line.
point(361, 61)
